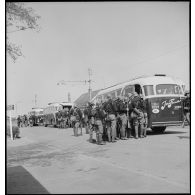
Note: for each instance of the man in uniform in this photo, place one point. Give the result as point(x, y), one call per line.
point(64, 117)
point(110, 108)
point(143, 108)
point(129, 119)
point(122, 111)
point(118, 121)
point(76, 117)
point(99, 117)
point(91, 117)
point(186, 109)
point(59, 119)
point(86, 113)
point(137, 114)
point(19, 121)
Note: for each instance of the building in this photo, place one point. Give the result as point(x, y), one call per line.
point(84, 98)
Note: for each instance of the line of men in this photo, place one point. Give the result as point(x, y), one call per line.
point(63, 118)
point(112, 120)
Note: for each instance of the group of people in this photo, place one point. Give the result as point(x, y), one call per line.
point(22, 121)
point(63, 118)
point(113, 119)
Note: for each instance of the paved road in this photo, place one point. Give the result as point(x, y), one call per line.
point(62, 163)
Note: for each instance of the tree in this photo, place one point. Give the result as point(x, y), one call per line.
point(18, 17)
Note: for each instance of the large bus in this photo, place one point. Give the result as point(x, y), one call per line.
point(50, 111)
point(35, 116)
point(163, 95)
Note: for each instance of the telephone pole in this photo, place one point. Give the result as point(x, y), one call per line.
point(35, 100)
point(69, 98)
point(90, 90)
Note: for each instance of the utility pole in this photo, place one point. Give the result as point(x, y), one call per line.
point(90, 90)
point(69, 98)
point(35, 100)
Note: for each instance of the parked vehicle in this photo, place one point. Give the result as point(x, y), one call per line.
point(50, 112)
point(163, 97)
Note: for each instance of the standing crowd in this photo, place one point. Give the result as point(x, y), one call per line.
point(112, 120)
point(121, 118)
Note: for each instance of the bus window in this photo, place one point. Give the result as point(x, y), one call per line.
point(168, 89)
point(118, 92)
point(128, 89)
point(178, 89)
point(183, 86)
point(148, 89)
point(113, 94)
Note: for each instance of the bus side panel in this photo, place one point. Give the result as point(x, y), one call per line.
point(149, 111)
point(165, 111)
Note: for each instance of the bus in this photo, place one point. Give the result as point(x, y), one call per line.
point(36, 116)
point(163, 95)
point(50, 111)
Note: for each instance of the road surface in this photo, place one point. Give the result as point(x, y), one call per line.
point(52, 160)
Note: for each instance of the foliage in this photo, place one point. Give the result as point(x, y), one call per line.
point(18, 17)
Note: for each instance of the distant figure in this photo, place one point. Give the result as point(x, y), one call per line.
point(15, 131)
point(186, 110)
point(19, 121)
point(76, 118)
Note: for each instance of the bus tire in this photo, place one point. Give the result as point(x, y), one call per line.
point(158, 129)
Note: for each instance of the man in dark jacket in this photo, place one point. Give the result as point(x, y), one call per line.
point(110, 108)
point(76, 118)
point(122, 116)
point(186, 109)
point(87, 117)
point(99, 116)
point(19, 121)
point(143, 132)
point(137, 114)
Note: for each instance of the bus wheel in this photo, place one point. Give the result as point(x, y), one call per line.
point(158, 129)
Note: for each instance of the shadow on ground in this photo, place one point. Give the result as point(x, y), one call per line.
point(20, 181)
point(165, 133)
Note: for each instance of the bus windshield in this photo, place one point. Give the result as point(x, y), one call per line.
point(168, 89)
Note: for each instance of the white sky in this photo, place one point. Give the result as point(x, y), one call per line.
point(117, 40)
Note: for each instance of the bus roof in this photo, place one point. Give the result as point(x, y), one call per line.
point(145, 80)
